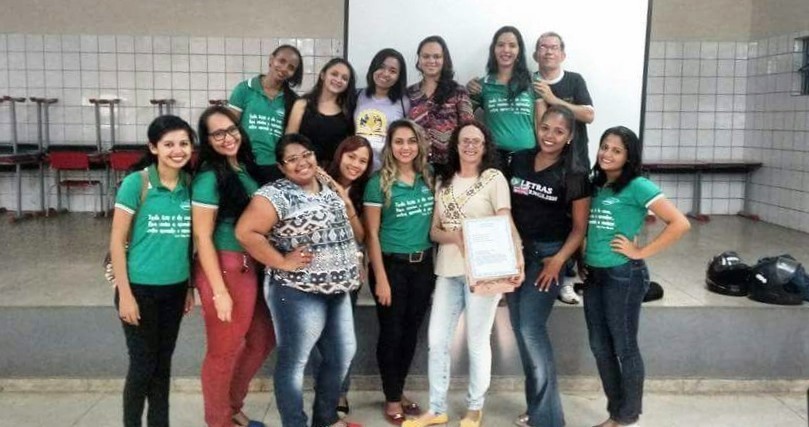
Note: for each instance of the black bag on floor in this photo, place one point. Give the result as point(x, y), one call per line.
point(777, 280)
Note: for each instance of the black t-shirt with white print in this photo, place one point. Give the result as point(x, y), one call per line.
point(541, 201)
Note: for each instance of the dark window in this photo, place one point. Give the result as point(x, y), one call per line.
point(804, 70)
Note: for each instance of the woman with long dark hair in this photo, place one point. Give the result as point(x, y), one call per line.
point(325, 115)
point(238, 330)
point(350, 170)
point(437, 103)
point(506, 96)
point(383, 101)
point(544, 184)
point(616, 276)
point(152, 290)
point(263, 105)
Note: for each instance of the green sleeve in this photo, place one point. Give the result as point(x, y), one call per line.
point(238, 97)
point(645, 191)
point(128, 195)
point(204, 191)
point(373, 193)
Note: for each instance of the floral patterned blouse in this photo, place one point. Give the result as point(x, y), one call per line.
point(321, 222)
point(439, 121)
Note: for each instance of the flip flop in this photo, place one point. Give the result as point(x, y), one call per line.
point(396, 418)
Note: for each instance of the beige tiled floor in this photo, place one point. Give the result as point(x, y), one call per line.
point(661, 410)
point(57, 261)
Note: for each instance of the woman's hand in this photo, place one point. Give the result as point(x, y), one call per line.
point(189, 302)
point(550, 273)
point(223, 305)
point(382, 291)
point(517, 279)
point(299, 258)
point(474, 87)
point(330, 182)
point(626, 247)
point(128, 309)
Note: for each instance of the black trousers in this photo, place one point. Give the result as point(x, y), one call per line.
point(411, 286)
point(150, 346)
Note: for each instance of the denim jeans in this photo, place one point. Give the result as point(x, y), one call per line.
point(529, 309)
point(347, 380)
point(451, 298)
point(151, 345)
point(612, 301)
point(303, 320)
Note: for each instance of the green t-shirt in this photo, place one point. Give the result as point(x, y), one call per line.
point(405, 223)
point(510, 121)
point(612, 214)
point(161, 229)
point(262, 117)
point(205, 194)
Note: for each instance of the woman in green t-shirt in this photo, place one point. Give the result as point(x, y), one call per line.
point(398, 213)
point(152, 215)
point(615, 273)
point(506, 96)
point(263, 104)
point(239, 333)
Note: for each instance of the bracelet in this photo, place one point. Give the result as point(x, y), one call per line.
point(352, 216)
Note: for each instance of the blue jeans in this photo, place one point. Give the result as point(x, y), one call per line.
point(303, 320)
point(529, 309)
point(612, 300)
point(451, 298)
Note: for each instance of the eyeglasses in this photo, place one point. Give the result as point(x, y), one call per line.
point(550, 48)
point(297, 158)
point(471, 143)
point(219, 135)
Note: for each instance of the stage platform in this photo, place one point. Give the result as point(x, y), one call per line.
point(59, 326)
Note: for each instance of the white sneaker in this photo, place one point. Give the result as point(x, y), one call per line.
point(567, 295)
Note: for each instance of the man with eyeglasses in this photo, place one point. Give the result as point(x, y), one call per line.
point(555, 86)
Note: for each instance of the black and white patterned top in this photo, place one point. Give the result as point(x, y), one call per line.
point(321, 222)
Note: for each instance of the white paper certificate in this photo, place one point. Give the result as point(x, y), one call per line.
point(489, 247)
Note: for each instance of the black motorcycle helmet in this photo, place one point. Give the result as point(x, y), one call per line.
point(770, 281)
point(728, 275)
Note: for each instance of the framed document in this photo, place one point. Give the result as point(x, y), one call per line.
point(491, 256)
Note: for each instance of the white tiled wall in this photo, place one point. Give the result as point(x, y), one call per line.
point(777, 131)
point(75, 68)
point(695, 110)
point(732, 100)
point(705, 100)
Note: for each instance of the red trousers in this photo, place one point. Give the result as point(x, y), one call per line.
point(236, 349)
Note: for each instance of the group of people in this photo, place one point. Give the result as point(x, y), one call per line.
point(316, 196)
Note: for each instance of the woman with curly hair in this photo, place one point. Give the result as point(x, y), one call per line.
point(398, 210)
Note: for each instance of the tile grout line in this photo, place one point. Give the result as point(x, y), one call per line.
point(100, 397)
point(800, 414)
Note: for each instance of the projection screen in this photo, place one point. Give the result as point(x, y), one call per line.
point(605, 41)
